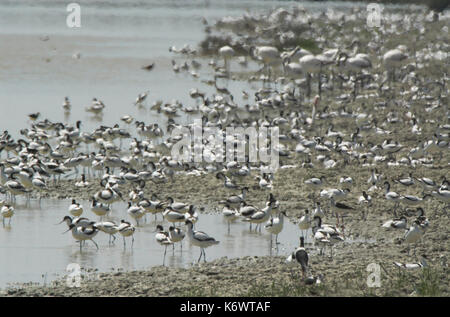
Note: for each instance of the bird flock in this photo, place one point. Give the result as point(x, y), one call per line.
point(369, 92)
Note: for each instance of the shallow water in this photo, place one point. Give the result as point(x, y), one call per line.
point(116, 38)
point(33, 248)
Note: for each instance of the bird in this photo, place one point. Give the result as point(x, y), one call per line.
point(394, 58)
point(236, 200)
point(82, 234)
point(99, 209)
point(427, 183)
point(414, 200)
point(7, 211)
point(275, 225)
point(305, 222)
point(75, 209)
point(78, 221)
point(301, 256)
point(269, 55)
point(229, 214)
point(136, 212)
point(366, 200)
point(141, 98)
point(413, 235)
point(126, 229)
point(318, 211)
point(66, 104)
point(176, 235)
point(392, 196)
point(172, 215)
point(340, 209)
point(260, 216)
point(397, 223)
point(407, 181)
point(108, 227)
point(162, 237)
point(228, 182)
point(421, 264)
point(148, 67)
point(200, 239)
point(326, 234)
point(191, 214)
point(315, 182)
point(34, 116)
point(226, 52)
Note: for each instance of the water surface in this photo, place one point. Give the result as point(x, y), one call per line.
point(33, 248)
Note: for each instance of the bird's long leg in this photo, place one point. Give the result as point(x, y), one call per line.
point(319, 85)
point(164, 260)
point(201, 251)
point(95, 243)
point(308, 84)
point(204, 255)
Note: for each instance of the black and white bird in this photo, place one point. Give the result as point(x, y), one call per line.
point(108, 227)
point(176, 235)
point(421, 264)
point(82, 234)
point(325, 235)
point(301, 256)
point(340, 209)
point(200, 239)
point(275, 225)
point(7, 211)
point(392, 196)
point(413, 235)
point(407, 181)
point(162, 237)
point(315, 182)
point(397, 223)
point(126, 229)
point(366, 201)
point(229, 214)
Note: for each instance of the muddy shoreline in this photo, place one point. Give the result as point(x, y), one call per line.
point(365, 243)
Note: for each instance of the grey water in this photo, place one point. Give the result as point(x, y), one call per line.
point(116, 38)
point(35, 249)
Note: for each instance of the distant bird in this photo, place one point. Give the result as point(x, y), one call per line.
point(394, 59)
point(141, 98)
point(7, 211)
point(75, 208)
point(126, 229)
point(340, 209)
point(413, 235)
point(176, 235)
point(148, 67)
point(66, 104)
point(108, 227)
point(301, 256)
point(305, 222)
point(421, 264)
point(162, 237)
point(398, 223)
point(34, 116)
point(275, 225)
point(230, 214)
point(226, 52)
